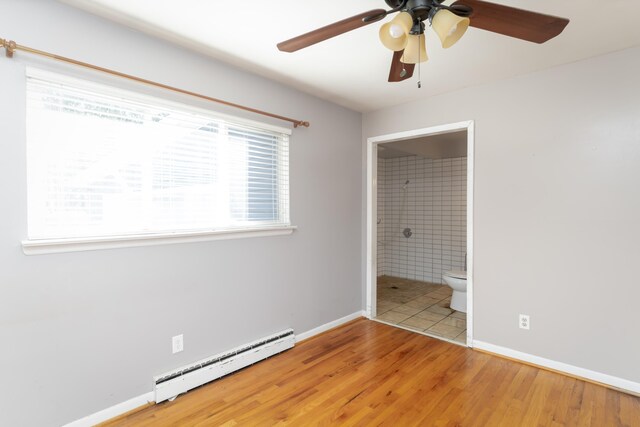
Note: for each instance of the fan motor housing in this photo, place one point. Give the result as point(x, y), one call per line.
point(420, 8)
point(394, 3)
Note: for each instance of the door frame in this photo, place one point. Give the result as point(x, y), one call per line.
point(372, 210)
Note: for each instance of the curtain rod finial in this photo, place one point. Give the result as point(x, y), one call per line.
point(305, 124)
point(9, 46)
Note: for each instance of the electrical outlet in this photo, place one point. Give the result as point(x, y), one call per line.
point(177, 343)
point(525, 323)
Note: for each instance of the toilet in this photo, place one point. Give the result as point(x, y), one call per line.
point(457, 280)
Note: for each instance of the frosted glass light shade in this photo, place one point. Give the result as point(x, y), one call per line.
point(416, 50)
point(394, 34)
point(449, 27)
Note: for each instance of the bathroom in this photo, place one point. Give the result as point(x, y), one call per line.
point(422, 235)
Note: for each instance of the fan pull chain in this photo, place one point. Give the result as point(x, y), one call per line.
point(419, 62)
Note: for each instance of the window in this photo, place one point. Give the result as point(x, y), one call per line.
point(106, 162)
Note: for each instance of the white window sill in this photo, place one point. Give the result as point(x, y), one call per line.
point(51, 246)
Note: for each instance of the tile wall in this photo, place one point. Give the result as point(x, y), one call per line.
point(380, 218)
point(433, 205)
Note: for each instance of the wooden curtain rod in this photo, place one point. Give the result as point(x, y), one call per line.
point(10, 47)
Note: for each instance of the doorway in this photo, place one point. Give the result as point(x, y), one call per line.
point(423, 234)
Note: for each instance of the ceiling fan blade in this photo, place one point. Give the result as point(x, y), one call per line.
point(335, 29)
point(509, 21)
point(395, 74)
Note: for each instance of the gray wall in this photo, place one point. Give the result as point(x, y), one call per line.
point(557, 207)
point(83, 331)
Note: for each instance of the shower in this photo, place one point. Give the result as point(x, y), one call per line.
point(403, 210)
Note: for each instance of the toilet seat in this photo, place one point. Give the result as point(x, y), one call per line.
point(456, 274)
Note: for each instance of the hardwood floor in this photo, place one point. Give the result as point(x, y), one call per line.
point(367, 373)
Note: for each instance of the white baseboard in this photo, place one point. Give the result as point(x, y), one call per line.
point(322, 328)
point(610, 380)
point(112, 412)
point(136, 402)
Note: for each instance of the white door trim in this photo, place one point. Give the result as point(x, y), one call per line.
point(372, 207)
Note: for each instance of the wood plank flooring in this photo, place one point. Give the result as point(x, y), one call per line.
point(367, 373)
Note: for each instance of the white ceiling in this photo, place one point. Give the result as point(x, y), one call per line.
point(352, 69)
point(442, 146)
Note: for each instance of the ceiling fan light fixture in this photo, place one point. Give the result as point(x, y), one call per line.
point(416, 50)
point(394, 34)
point(449, 27)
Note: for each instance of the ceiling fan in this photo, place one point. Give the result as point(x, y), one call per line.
point(404, 34)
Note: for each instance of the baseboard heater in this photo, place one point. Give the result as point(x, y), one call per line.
point(181, 380)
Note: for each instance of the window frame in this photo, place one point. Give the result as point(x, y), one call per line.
point(73, 244)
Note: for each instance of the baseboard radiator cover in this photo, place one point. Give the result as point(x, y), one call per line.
point(181, 380)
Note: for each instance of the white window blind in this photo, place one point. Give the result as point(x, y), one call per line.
point(106, 162)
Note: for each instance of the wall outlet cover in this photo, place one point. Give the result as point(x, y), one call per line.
point(525, 322)
point(177, 344)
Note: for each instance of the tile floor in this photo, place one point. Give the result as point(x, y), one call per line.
point(420, 306)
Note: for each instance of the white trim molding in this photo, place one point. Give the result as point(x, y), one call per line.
point(333, 324)
point(50, 246)
point(372, 206)
point(574, 371)
point(113, 411)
